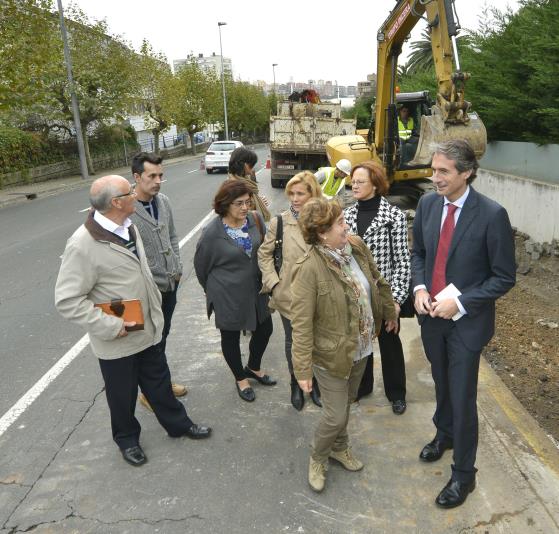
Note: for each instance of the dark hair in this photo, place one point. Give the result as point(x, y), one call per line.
point(139, 159)
point(229, 191)
point(377, 176)
point(317, 217)
point(239, 157)
point(463, 155)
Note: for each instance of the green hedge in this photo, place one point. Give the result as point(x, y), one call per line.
point(22, 150)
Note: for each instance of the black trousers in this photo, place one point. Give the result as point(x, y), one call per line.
point(149, 370)
point(393, 367)
point(230, 345)
point(168, 304)
point(455, 373)
point(287, 328)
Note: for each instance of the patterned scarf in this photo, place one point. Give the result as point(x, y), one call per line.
point(340, 259)
point(294, 212)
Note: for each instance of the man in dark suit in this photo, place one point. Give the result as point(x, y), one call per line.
point(463, 238)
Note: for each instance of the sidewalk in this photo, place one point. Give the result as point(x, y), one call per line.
point(28, 192)
point(251, 476)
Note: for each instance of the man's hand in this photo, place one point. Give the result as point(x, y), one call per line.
point(392, 326)
point(305, 385)
point(123, 332)
point(422, 302)
point(398, 308)
point(445, 309)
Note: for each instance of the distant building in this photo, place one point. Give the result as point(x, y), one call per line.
point(368, 88)
point(209, 63)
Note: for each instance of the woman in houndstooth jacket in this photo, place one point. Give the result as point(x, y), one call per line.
point(383, 228)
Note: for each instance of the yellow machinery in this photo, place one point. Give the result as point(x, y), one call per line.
point(449, 117)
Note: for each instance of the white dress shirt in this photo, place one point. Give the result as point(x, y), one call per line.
point(111, 226)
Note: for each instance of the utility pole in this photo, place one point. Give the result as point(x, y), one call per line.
point(274, 65)
point(219, 25)
point(75, 109)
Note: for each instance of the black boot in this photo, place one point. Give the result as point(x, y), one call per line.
point(297, 398)
point(315, 393)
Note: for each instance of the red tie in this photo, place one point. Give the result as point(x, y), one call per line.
point(439, 271)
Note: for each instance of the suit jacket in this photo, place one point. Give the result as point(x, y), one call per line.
point(481, 261)
point(389, 223)
point(160, 242)
point(293, 248)
point(231, 280)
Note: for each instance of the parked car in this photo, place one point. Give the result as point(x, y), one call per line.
point(218, 155)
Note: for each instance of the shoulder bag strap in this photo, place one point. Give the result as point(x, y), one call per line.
point(258, 225)
point(278, 249)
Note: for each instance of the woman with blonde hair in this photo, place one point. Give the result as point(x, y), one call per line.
point(338, 301)
point(282, 247)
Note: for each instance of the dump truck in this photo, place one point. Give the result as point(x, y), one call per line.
point(298, 136)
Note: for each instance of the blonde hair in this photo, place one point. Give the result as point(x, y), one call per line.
point(308, 179)
point(317, 217)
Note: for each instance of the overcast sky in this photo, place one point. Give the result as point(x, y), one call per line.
point(308, 40)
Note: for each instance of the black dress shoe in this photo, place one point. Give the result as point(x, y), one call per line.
point(265, 380)
point(134, 455)
point(246, 394)
point(399, 406)
point(315, 393)
point(455, 493)
point(434, 450)
point(198, 432)
point(297, 397)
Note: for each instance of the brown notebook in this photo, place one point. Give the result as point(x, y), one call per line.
point(129, 310)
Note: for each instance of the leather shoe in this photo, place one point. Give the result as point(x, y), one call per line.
point(246, 394)
point(315, 393)
point(455, 493)
point(134, 455)
point(198, 432)
point(297, 398)
point(265, 380)
point(399, 406)
point(434, 450)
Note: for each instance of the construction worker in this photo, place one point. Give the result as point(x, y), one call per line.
point(332, 179)
point(407, 134)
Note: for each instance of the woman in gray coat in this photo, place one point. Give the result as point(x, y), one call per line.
point(226, 264)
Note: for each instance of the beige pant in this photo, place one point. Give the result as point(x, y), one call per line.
point(336, 395)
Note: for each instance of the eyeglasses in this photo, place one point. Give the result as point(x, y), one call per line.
point(241, 203)
point(357, 183)
point(131, 192)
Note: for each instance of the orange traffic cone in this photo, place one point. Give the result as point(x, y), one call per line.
point(268, 164)
point(202, 165)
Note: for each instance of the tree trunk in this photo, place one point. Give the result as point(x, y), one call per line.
point(155, 141)
point(192, 143)
point(89, 161)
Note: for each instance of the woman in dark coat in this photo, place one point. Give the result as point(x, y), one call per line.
point(226, 264)
point(384, 230)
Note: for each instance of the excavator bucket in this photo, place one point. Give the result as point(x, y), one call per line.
point(434, 130)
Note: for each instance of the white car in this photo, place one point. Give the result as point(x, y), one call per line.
point(218, 155)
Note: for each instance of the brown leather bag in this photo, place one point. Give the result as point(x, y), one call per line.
point(128, 310)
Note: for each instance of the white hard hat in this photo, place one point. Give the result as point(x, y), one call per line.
point(344, 165)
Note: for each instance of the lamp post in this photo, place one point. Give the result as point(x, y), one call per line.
point(219, 25)
point(274, 65)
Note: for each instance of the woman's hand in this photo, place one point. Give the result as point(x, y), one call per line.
point(265, 200)
point(397, 308)
point(305, 385)
point(392, 326)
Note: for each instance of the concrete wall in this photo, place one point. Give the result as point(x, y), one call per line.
point(533, 206)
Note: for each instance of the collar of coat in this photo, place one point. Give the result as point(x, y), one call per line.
point(142, 212)
point(288, 218)
point(384, 217)
point(99, 233)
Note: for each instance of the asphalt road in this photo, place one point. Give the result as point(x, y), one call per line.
point(33, 336)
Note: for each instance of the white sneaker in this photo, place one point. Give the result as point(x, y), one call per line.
point(317, 475)
point(346, 458)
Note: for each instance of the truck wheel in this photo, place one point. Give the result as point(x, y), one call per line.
point(209, 171)
point(277, 182)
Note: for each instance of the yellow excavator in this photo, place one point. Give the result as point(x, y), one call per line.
point(449, 117)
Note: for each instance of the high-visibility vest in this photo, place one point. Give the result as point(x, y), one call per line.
point(331, 185)
point(405, 131)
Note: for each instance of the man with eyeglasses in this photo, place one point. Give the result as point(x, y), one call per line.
point(105, 260)
point(154, 220)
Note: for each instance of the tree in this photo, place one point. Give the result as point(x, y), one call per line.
point(248, 108)
point(153, 83)
point(361, 111)
point(195, 94)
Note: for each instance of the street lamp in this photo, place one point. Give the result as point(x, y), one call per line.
point(274, 65)
point(219, 25)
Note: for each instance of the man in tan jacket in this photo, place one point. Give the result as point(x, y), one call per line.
point(105, 260)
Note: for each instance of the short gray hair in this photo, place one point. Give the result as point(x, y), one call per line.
point(101, 201)
point(463, 155)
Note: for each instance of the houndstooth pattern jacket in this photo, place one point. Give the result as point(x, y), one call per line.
point(396, 270)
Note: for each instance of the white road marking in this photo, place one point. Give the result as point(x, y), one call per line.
point(193, 170)
point(85, 209)
point(11, 416)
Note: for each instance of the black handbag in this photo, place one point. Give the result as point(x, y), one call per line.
point(278, 249)
point(407, 309)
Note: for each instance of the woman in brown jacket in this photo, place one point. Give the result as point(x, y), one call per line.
point(338, 302)
point(301, 188)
